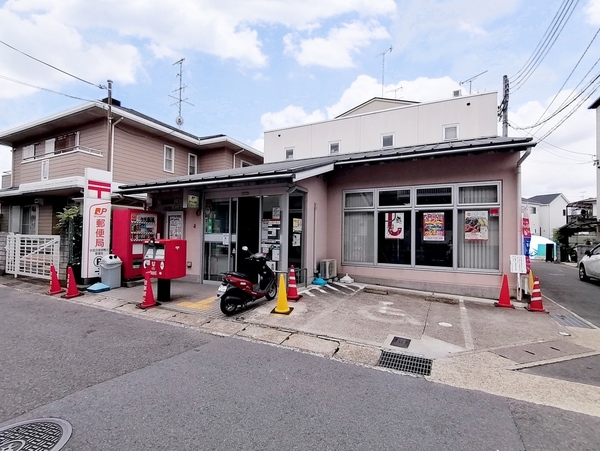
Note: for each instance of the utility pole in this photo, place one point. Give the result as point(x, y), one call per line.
point(503, 108)
point(382, 54)
point(110, 118)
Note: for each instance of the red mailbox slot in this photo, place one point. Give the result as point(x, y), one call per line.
point(165, 259)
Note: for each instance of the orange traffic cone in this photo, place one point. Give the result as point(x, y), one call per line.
point(55, 287)
point(536, 304)
point(282, 304)
point(504, 300)
point(149, 300)
point(72, 290)
point(292, 293)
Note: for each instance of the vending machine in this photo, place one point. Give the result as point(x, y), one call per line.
point(130, 229)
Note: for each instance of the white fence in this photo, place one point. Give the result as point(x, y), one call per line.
point(32, 255)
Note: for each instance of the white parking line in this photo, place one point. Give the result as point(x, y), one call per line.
point(466, 325)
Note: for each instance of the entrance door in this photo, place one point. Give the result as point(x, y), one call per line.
point(248, 231)
point(219, 238)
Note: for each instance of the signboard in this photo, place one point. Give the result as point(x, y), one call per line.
point(518, 264)
point(394, 226)
point(476, 225)
point(96, 221)
point(433, 226)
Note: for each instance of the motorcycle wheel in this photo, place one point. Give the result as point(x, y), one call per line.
point(228, 307)
point(272, 292)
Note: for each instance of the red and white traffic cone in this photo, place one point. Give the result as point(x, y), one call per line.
point(72, 290)
point(149, 300)
point(55, 287)
point(292, 293)
point(536, 304)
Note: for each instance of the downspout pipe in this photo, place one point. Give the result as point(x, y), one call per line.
point(237, 153)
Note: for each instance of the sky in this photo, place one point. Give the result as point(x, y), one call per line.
point(255, 65)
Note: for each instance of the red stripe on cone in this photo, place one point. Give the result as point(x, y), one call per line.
point(292, 293)
point(536, 304)
point(55, 287)
point(72, 290)
point(149, 300)
point(504, 300)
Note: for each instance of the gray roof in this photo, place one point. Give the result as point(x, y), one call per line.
point(543, 199)
point(295, 170)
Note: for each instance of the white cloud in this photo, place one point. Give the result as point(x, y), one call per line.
point(473, 30)
point(592, 11)
point(337, 48)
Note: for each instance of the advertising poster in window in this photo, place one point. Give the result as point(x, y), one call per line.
point(476, 225)
point(394, 226)
point(433, 226)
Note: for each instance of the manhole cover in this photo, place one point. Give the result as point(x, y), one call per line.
point(46, 434)
point(570, 321)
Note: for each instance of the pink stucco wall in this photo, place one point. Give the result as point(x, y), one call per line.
point(493, 167)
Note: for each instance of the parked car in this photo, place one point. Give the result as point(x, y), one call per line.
point(589, 266)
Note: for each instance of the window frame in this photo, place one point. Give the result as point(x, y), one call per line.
point(383, 136)
point(289, 153)
point(333, 144)
point(171, 160)
point(192, 156)
point(447, 127)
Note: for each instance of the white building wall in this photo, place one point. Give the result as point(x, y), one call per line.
point(476, 117)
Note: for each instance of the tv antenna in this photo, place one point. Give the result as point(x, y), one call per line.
point(470, 80)
point(382, 54)
point(395, 91)
point(180, 90)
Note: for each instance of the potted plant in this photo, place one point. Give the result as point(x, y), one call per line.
point(70, 226)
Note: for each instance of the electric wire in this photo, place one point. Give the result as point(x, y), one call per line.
point(51, 66)
point(4, 77)
point(566, 14)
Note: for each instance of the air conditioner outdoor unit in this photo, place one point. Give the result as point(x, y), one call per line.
point(328, 269)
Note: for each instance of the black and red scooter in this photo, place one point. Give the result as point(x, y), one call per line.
point(238, 289)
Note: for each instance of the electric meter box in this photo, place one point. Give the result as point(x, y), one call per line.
point(165, 258)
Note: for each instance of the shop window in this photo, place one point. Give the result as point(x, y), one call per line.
point(394, 231)
point(359, 243)
point(399, 197)
point(482, 194)
point(434, 238)
point(479, 242)
point(169, 157)
point(434, 196)
point(359, 200)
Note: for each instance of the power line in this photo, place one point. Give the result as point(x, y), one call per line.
point(53, 67)
point(527, 71)
point(43, 89)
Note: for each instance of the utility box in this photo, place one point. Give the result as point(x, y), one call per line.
point(165, 259)
point(110, 270)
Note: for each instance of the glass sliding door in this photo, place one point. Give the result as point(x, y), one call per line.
point(220, 218)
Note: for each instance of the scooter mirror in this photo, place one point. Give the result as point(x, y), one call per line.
point(244, 248)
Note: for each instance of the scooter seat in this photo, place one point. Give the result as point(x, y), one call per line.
point(240, 275)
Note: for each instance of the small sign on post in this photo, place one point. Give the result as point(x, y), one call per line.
point(518, 266)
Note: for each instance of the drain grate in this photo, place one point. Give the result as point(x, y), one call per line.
point(47, 434)
point(570, 321)
point(407, 363)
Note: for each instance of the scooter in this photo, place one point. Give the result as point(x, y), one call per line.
point(237, 289)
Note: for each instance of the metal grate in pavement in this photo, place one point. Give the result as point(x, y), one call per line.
point(404, 362)
point(570, 321)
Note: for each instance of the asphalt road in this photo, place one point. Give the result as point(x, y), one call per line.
point(126, 383)
point(561, 283)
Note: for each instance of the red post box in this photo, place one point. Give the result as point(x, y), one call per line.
point(165, 260)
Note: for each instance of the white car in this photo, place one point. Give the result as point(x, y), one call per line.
point(589, 266)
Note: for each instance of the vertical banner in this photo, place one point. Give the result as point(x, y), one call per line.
point(394, 226)
point(433, 226)
point(526, 243)
point(96, 221)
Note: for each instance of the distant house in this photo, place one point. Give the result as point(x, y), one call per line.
point(546, 213)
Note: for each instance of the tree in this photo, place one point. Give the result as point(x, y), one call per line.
point(70, 226)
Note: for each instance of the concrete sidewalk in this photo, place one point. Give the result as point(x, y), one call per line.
point(463, 342)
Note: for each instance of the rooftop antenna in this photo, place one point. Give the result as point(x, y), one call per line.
point(470, 80)
point(179, 118)
point(395, 91)
point(382, 54)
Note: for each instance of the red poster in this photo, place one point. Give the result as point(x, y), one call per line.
point(433, 226)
